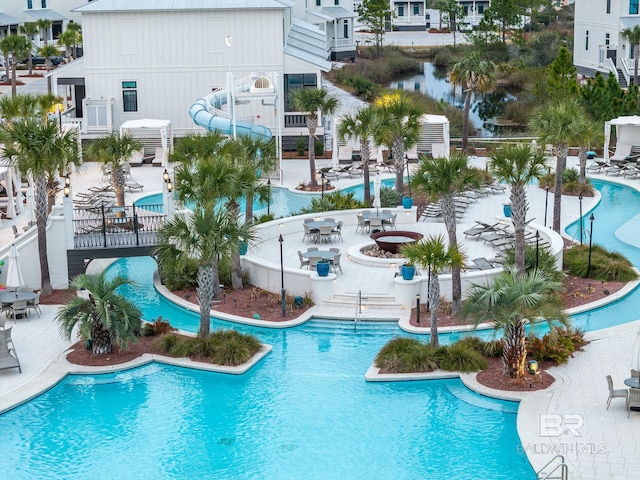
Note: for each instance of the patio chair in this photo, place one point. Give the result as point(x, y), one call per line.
point(345, 154)
point(619, 393)
point(376, 224)
point(19, 307)
point(335, 263)
point(16, 233)
point(362, 223)
point(8, 355)
point(337, 231)
point(35, 304)
point(635, 373)
point(313, 262)
point(622, 153)
point(309, 233)
point(132, 185)
point(633, 400)
point(304, 262)
point(325, 234)
point(391, 223)
point(596, 166)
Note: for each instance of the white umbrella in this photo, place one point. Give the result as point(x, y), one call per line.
point(635, 358)
point(31, 205)
point(376, 192)
point(14, 272)
point(19, 202)
point(379, 156)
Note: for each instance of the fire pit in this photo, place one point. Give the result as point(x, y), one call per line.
point(392, 241)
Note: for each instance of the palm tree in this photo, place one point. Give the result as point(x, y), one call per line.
point(590, 133)
point(443, 179)
point(68, 39)
point(474, 75)
point(48, 51)
point(360, 126)
point(44, 25)
point(29, 30)
point(517, 165)
point(113, 151)
point(397, 127)
point(434, 255)
point(559, 124)
point(509, 302)
point(17, 46)
point(312, 101)
point(5, 49)
point(206, 235)
point(633, 35)
point(259, 155)
point(38, 148)
point(104, 315)
point(76, 28)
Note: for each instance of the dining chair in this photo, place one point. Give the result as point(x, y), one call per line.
point(633, 400)
point(325, 234)
point(308, 233)
point(19, 307)
point(635, 373)
point(619, 393)
point(337, 231)
point(335, 263)
point(375, 224)
point(304, 262)
point(313, 262)
point(35, 304)
point(312, 249)
point(362, 223)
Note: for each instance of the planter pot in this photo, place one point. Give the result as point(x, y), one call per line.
point(408, 272)
point(244, 246)
point(323, 268)
point(507, 210)
point(407, 202)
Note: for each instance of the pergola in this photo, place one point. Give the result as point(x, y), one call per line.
point(627, 133)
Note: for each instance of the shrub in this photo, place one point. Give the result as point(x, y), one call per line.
point(301, 146)
point(460, 358)
point(493, 348)
point(333, 201)
point(606, 266)
point(546, 261)
point(223, 347)
point(318, 148)
point(406, 355)
point(556, 346)
point(389, 197)
point(157, 327)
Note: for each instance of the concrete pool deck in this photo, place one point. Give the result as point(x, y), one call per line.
point(597, 443)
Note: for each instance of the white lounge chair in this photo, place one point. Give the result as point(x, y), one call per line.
point(345, 154)
point(623, 151)
point(158, 160)
point(136, 158)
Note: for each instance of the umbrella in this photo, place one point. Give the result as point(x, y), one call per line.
point(376, 192)
point(14, 272)
point(635, 358)
point(31, 205)
point(379, 156)
point(8, 185)
point(19, 202)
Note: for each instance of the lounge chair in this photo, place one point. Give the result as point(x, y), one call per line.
point(132, 185)
point(8, 355)
point(328, 173)
point(345, 154)
point(479, 229)
point(596, 166)
point(136, 158)
point(158, 160)
point(355, 171)
point(619, 393)
point(622, 153)
point(483, 264)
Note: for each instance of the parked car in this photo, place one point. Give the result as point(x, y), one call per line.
point(37, 60)
point(3, 77)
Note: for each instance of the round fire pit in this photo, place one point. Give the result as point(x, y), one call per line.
point(392, 241)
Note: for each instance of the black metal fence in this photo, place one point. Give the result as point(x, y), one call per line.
point(111, 226)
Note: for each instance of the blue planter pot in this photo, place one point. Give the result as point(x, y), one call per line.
point(244, 247)
point(507, 210)
point(407, 202)
point(323, 268)
point(408, 272)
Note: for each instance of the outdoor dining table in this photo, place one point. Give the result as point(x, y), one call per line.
point(323, 254)
point(633, 382)
point(10, 296)
point(369, 214)
point(316, 224)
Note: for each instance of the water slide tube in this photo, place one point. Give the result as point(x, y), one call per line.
point(202, 117)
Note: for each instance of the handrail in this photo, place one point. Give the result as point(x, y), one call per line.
point(562, 466)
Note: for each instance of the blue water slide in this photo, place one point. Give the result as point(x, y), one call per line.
point(202, 117)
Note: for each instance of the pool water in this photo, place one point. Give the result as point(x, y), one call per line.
point(304, 411)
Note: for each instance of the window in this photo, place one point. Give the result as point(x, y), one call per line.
point(130, 96)
point(43, 3)
point(29, 4)
point(480, 9)
point(345, 29)
point(466, 10)
point(586, 41)
point(416, 9)
point(608, 6)
point(336, 2)
point(318, 3)
point(633, 7)
point(606, 39)
point(295, 81)
point(401, 10)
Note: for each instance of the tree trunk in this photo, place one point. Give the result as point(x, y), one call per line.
point(365, 155)
point(312, 124)
point(561, 159)
point(236, 268)
point(205, 293)
point(465, 120)
point(398, 159)
point(41, 223)
point(635, 64)
point(449, 217)
point(514, 354)
point(434, 305)
point(117, 179)
point(14, 89)
point(519, 206)
point(582, 157)
point(248, 209)
point(100, 338)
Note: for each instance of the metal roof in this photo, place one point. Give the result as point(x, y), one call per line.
point(8, 20)
point(45, 14)
point(167, 5)
point(338, 12)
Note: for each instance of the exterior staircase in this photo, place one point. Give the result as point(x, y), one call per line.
point(621, 80)
point(366, 306)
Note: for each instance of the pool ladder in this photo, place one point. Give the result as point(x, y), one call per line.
point(557, 470)
point(358, 311)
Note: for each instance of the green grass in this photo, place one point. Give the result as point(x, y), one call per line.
point(605, 265)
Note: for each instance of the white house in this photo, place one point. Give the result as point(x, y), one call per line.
point(60, 12)
point(159, 58)
point(598, 43)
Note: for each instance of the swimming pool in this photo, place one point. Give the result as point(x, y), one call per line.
point(305, 410)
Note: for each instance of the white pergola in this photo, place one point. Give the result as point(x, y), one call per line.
point(164, 128)
point(627, 132)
